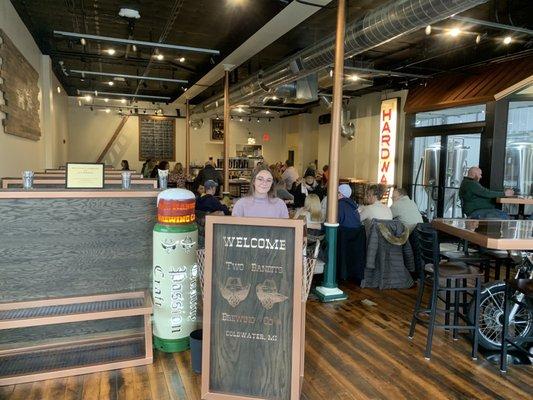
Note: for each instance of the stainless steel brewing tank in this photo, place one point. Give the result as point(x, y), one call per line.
point(519, 167)
point(430, 176)
point(456, 165)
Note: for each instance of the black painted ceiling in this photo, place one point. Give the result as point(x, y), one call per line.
point(222, 25)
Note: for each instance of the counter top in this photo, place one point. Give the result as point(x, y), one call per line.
point(74, 193)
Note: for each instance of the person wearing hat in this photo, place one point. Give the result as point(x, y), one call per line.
point(348, 209)
point(208, 202)
point(307, 186)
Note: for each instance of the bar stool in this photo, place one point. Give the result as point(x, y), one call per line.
point(512, 290)
point(457, 273)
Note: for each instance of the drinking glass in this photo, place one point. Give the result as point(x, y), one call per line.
point(27, 179)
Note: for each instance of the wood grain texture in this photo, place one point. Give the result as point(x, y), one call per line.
point(68, 247)
point(353, 351)
point(20, 91)
point(233, 360)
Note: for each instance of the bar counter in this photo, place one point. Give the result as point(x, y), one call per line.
point(74, 242)
point(62, 243)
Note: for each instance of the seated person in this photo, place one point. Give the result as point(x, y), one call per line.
point(374, 208)
point(279, 185)
point(307, 186)
point(311, 211)
point(479, 202)
point(348, 209)
point(208, 202)
point(405, 209)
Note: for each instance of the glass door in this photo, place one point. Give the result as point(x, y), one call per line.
point(462, 153)
point(440, 163)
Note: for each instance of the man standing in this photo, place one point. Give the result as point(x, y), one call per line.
point(479, 202)
point(208, 172)
point(290, 175)
point(405, 209)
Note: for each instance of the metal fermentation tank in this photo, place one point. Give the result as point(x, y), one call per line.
point(519, 168)
point(456, 166)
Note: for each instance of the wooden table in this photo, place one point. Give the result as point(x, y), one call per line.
point(492, 234)
point(520, 200)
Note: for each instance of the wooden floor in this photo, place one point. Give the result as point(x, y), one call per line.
point(353, 351)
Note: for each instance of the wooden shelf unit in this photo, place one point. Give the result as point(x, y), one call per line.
point(75, 357)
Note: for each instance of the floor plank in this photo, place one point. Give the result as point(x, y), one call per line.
point(353, 351)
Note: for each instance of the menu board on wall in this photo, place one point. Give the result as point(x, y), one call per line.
point(253, 334)
point(157, 138)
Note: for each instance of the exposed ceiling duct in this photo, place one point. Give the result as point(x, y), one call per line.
point(347, 127)
point(391, 21)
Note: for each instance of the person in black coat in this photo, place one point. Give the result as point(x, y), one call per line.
point(208, 173)
point(208, 202)
point(307, 186)
point(351, 239)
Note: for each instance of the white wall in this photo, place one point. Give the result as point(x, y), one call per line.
point(19, 154)
point(90, 131)
point(358, 158)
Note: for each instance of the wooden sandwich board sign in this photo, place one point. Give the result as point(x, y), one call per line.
point(253, 325)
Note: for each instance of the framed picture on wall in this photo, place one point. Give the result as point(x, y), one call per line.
point(217, 130)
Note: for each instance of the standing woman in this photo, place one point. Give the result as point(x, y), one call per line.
point(261, 200)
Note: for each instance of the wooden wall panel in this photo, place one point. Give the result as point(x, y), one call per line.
point(20, 91)
point(66, 247)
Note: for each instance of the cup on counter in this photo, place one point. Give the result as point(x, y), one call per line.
point(163, 178)
point(126, 179)
point(27, 179)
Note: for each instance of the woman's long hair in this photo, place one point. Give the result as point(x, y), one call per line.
point(312, 204)
point(259, 168)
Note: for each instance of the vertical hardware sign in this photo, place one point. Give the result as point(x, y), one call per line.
point(388, 129)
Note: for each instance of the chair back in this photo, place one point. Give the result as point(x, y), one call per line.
point(428, 245)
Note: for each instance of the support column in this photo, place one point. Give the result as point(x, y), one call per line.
point(226, 128)
point(187, 137)
point(329, 290)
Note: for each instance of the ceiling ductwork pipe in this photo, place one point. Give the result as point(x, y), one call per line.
point(396, 18)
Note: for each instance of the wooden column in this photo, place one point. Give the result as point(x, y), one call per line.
point(226, 130)
point(329, 291)
point(336, 110)
point(187, 137)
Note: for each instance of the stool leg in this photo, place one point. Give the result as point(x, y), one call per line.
point(497, 268)
point(419, 296)
point(503, 351)
point(447, 305)
point(507, 270)
point(456, 295)
point(465, 297)
point(487, 271)
point(432, 317)
point(476, 319)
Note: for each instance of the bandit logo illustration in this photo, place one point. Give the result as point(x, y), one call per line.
point(268, 294)
point(234, 292)
point(170, 245)
point(187, 244)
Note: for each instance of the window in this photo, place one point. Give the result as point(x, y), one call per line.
point(448, 116)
